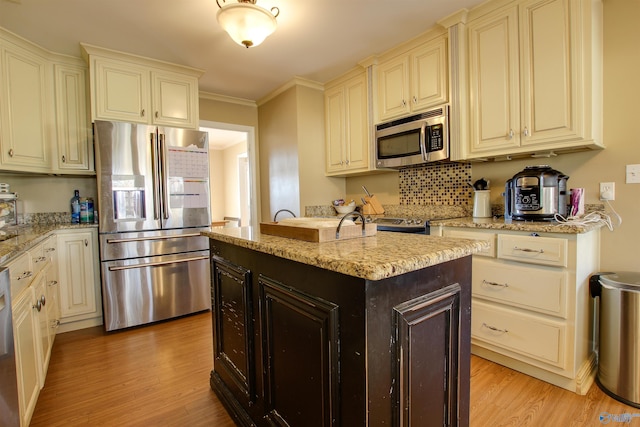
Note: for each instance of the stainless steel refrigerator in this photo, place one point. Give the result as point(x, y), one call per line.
point(153, 200)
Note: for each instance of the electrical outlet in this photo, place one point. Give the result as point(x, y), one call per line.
point(607, 191)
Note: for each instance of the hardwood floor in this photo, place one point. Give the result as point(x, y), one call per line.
point(158, 375)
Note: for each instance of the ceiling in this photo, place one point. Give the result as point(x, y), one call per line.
point(316, 39)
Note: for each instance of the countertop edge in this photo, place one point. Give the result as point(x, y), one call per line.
point(374, 258)
point(527, 226)
point(27, 236)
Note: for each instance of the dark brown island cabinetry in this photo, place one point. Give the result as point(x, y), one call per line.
point(302, 346)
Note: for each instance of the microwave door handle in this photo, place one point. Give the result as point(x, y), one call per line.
point(426, 155)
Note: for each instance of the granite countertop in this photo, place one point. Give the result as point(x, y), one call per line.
point(529, 226)
point(377, 257)
point(27, 236)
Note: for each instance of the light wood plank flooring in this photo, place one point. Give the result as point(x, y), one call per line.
point(158, 375)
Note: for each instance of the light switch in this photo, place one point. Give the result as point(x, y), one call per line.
point(633, 174)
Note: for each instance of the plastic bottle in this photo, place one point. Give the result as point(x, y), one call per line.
point(75, 207)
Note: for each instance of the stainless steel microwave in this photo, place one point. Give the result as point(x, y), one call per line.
point(413, 140)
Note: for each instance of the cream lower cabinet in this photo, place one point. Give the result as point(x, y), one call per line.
point(531, 309)
point(26, 332)
point(79, 280)
point(29, 273)
point(535, 78)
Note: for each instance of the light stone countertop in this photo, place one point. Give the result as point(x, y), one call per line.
point(377, 257)
point(529, 226)
point(27, 236)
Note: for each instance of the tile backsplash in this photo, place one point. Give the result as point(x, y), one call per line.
point(442, 184)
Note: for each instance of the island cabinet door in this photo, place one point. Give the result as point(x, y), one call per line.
point(233, 346)
point(425, 358)
point(300, 357)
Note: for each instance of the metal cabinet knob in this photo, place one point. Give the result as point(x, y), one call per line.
point(142, 113)
point(64, 159)
point(11, 152)
point(86, 242)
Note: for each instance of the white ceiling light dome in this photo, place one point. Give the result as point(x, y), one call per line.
point(247, 24)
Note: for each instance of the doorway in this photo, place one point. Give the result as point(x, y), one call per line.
point(232, 171)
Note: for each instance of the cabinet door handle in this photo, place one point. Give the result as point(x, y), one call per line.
point(493, 328)
point(50, 250)
point(526, 131)
point(415, 100)
point(142, 113)
point(511, 133)
point(25, 275)
point(37, 305)
point(64, 159)
point(500, 285)
point(11, 152)
point(43, 300)
point(347, 162)
point(539, 251)
point(86, 242)
point(404, 103)
point(157, 115)
point(53, 283)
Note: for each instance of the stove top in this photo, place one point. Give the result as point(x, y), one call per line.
point(402, 225)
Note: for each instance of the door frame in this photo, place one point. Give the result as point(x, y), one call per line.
point(254, 196)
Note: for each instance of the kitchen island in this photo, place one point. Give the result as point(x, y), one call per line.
point(362, 332)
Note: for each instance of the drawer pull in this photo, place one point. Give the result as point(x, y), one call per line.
point(501, 285)
point(25, 275)
point(540, 251)
point(493, 328)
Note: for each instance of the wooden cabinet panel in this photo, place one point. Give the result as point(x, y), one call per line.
point(25, 327)
point(347, 127)
point(232, 307)
point(122, 91)
point(175, 101)
point(543, 290)
point(533, 249)
point(413, 81)
point(298, 327)
point(25, 110)
point(77, 256)
point(526, 335)
point(534, 78)
point(75, 146)
point(427, 329)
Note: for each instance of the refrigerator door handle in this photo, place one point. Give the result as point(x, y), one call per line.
point(157, 263)
point(140, 239)
point(156, 177)
point(164, 171)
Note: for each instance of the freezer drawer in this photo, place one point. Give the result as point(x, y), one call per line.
point(151, 243)
point(144, 290)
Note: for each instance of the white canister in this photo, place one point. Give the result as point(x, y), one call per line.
point(482, 204)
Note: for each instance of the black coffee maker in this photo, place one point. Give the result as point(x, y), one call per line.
point(536, 193)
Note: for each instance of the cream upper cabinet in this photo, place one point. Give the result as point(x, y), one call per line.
point(347, 125)
point(26, 106)
point(141, 90)
point(414, 80)
point(534, 78)
point(74, 142)
point(44, 125)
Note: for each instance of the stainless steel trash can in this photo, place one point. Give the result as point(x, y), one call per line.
point(619, 334)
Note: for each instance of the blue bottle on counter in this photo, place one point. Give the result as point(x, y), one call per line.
point(75, 207)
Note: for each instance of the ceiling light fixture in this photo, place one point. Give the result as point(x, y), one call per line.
point(247, 24)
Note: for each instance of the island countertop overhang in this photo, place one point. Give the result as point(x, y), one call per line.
point(377, 257)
